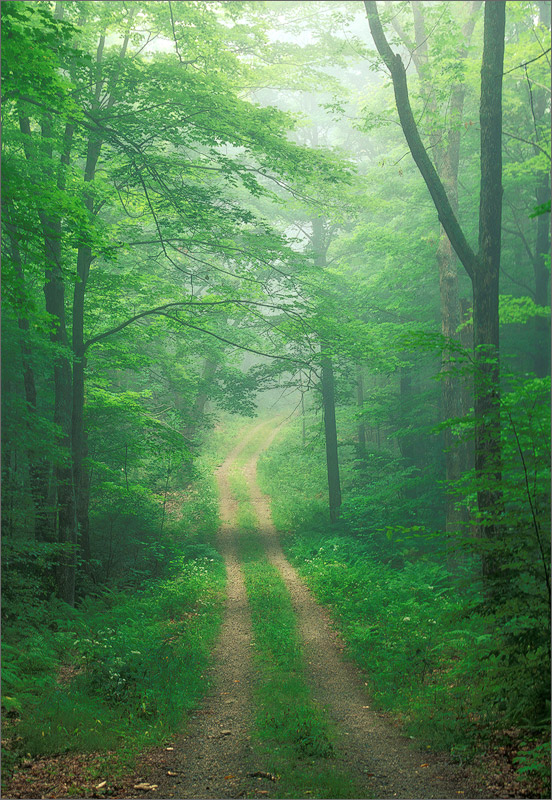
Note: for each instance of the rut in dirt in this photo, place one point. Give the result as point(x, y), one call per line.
point(213, 758)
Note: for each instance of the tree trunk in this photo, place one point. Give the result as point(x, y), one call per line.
point(542, 240)
point(328, 389)
point(79, 437)
point(486, 287)
point(330, 430)
point(54, 293)
point(482, 268)
point(38, 466)
point(361, 430)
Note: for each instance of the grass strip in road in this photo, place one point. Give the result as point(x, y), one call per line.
point(294, 735)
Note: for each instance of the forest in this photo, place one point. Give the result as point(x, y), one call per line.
point(276, 398)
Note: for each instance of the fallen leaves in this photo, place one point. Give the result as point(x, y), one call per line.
point(145, 787)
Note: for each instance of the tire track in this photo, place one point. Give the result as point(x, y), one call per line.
point(213, 758)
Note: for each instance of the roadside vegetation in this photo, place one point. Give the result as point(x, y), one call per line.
point(129, 662)
point(333, 207)
point(413, 614)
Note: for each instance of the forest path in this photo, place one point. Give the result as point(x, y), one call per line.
point(214, 757)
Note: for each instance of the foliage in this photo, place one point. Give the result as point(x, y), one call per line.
point(172, 174)
point(118, 668)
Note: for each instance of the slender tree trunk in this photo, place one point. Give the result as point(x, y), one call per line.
point(38, 466)
point(542, 249)
point(542, 240)
point(330, 430)
point(361, 429)
point(451, 393)
point(79, 437)
point(486, 287)
point(303, 417)
point(407, 444)
point(54, 293)
point(328, 391)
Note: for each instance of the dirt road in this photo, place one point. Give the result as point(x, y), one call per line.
point(215, 759)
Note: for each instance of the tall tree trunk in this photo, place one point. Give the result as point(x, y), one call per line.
point(79, 437)
point(328, 389)
point(38, 466)
point(542, 249)
point(542, 240)
point(486, 287)
point(483, 267)
point(361, 429)
point(330, 431)
point(54, 293)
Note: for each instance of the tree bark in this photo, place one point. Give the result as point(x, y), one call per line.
point(361, 429)
point(54, 293)
point(79, 437)
point(486, 286)
point(44, 529)
point(542, 239)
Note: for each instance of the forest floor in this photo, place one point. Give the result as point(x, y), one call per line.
point(218, 755)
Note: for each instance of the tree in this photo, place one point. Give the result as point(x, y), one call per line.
point(110, 162)
point(445, 147)
point(483, 266)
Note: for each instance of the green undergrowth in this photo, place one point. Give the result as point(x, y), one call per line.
point(414, 619)
point(294, 736)
point(117, 668)
point(128, 662)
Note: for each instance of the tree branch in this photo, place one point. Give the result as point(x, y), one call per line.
point(160, 310)
point(234, 344)
point(447, 217)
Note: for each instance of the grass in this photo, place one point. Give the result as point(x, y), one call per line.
point(125, 666)
point(119, 669)
point(294, 736)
